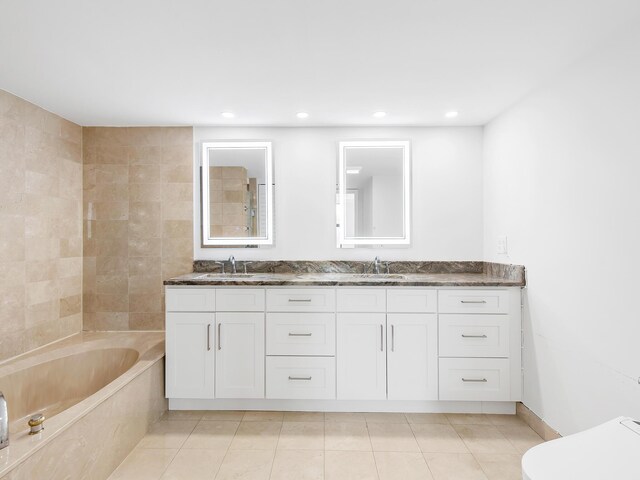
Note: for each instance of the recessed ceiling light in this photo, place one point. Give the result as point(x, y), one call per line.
point(302, 114)
point(452, 114)
point(353, 170)
point(380, 114)
point(228, 114)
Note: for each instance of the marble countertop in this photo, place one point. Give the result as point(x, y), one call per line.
point(347, 279)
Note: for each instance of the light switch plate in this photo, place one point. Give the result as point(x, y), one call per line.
point(502, 245)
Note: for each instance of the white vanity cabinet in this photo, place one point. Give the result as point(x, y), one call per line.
point(362, 356)
point(336, 348)
point(189, 354)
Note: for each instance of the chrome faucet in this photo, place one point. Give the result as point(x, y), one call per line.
point(4, 423)
point(376, 265)
point(232, 261)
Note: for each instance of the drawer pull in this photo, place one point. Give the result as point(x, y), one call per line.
point(473, 301)
point(481, 380)
point(473, 336)
point(291, 334)
point(381, 338)
point(299, 378)
point(299, 299)
point(208, 337)
point(219, 337)
point(393, 338)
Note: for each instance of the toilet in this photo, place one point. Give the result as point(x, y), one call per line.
point(608, 451)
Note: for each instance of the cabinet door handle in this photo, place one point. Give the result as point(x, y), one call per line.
point(482, 380)
point(381, 338)
point(393, 338)
point(473, 336)
point(299, 378)
point(208, 337)
point(291, 334)
point(299, 299)
point(473, 301)
point(219, 337)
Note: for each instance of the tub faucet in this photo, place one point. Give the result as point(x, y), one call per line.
point(4, 423)
point(232, 261)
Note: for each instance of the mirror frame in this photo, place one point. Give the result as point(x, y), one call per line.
point(406, 201)
point(207, 240)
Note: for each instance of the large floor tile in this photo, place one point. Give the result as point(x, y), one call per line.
point(500, 467)
point(258, 416)
point(506, 420)
point(298, 465)
point(168, 434)
point(256, 436)
point(522, 437)
point(402, 466)
point(301, 436)
point(246, 465)
point(427, 418)
point(346, 436)
point(350, 417)
point(350, 466)
point(438, 438)
point(392, 437)
point(454, 466)
point(484, 439)
point(212, 435)
point(383, 417)
point(468, 419)
point(228, 415)
point(144, 464)
point(304, 416)
point(192, 464)
point(182, 415)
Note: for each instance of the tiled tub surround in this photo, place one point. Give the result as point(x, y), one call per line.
point(40, 227)
point(92, 434)
point(333, 273)
point(138, 229)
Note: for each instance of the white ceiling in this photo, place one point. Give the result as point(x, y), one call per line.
point(183, 62)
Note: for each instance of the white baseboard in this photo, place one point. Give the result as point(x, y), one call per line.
point(432, 406)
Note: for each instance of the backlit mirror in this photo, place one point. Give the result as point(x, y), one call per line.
point(373, 193)
point(237, 194)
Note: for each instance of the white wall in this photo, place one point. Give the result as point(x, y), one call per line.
point(447, 193)
point(562, 180)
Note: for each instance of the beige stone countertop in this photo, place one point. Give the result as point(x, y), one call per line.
point(345, 279)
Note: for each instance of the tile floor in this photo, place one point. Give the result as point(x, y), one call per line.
point(228, 445)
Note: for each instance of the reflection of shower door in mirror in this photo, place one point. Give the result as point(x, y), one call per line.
point(234, 211)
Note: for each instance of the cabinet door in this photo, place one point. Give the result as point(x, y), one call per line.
point(239, 355)
point(190, 355)
point(361, 356)
point(412, 356)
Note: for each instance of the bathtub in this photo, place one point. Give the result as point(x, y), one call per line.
point(99, 392)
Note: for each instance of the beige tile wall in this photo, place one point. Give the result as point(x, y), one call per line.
point(40, 226)
point(138, 229)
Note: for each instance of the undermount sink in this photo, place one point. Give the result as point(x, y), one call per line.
point(378, 275)
point(227, 276)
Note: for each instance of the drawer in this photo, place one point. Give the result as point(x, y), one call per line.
point(190, 300)
point(473, 335)
point(481, 379)
point(301, 377)
point(361, 299)
point(410, 300)
point(473, 301)
point(301, 334)
point(301, 300)
point(240, 300)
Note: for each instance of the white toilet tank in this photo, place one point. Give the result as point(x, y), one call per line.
point(608, 451)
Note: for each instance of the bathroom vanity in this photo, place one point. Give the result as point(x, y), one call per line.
point(344, 341)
